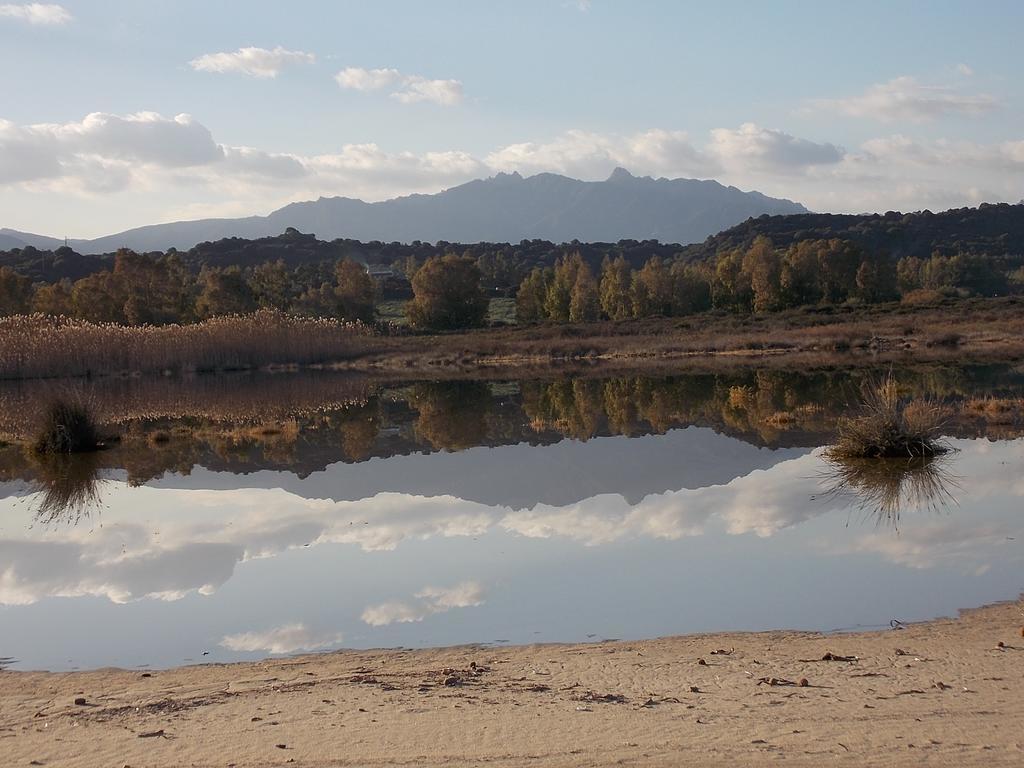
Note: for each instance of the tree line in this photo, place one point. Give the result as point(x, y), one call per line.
point(760, 278)
point(451, 291)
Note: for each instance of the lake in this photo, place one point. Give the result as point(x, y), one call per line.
point(243, 516)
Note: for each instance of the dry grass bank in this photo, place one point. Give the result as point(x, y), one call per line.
point(977, 329)
point(964, 330)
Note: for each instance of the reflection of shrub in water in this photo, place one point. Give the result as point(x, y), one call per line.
point(889, 427)
point(69, 487)
point(885, 488)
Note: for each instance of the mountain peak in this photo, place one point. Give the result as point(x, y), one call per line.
point(621, 174)
point(504, 208)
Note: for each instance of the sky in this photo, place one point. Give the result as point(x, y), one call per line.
point(121, 113)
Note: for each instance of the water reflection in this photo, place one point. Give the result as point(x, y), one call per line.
point(69, 487)
point(265, 570)
point(452, 512)
point(885, 489)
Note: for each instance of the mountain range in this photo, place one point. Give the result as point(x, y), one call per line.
point(503, 208)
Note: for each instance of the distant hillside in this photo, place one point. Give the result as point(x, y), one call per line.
point(990, 229)
point(505, 208)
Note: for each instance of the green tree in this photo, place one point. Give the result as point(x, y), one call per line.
point(53, 299)
point(447, 294)
point(800, 281)
point(653, 290)
point(97, 298)
point(616, 284)
point(531, 296)
point(354, 290)
point(223, 292)
point(730, 286)
point(763, 268)
point(585, 303)
point(838, 262)
point(691, 288)
point(559, 295)
point(15, 292)
point(271, 284)
point(908, 273)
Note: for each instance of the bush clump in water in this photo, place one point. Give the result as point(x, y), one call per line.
point(66, 427)
point(889, 427)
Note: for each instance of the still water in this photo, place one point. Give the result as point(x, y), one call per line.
point(509, 512)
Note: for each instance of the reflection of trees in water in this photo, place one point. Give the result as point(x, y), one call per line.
point(69, 487)
point(358, 429)
point(452, 415)
point(885, 489)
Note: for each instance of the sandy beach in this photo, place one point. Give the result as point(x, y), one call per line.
point(946, 692)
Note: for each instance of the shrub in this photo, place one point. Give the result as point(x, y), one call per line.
point(889, 427)
point(66, 427)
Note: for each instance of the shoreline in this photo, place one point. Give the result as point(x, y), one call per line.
point(967, 330)
point(941, 692)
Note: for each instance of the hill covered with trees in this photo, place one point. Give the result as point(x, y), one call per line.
point(766, 264)
point(993, 229)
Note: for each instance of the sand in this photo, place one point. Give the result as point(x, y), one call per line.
point(932, 694)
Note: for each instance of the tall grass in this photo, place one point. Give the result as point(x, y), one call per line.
point(40, 346)
point(890, 427)
point(66, 427)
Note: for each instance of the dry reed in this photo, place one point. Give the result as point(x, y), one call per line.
point(40, 346)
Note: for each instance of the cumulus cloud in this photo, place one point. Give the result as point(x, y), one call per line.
point(592, 155)
point(252, 61)
point(444, 92)
point(752, 147)
point(429, 601)
point(178, 159)
point(43, 14)
point(359, 79)
point(408, 89)
point(287, 638)
point(904, 98)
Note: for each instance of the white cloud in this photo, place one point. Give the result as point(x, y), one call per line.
point(175, 166)
point(409, 88)
point(47, 14)
point(256, 62)
point(444, 92)
point(287, 638)
point(429, 601)
point(964, 69)
point(592, 155)
point(359, 79)
point(751, 147)
point(102, 153)
point(904, 98)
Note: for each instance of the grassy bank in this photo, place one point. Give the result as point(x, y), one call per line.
point(976, 329)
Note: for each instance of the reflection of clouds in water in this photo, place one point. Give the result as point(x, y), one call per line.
point(288, 638)
point(203, 534)
point(930, 543)
point(429, 600)
point(32, 570)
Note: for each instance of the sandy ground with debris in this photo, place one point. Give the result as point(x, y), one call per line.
point(942, 693)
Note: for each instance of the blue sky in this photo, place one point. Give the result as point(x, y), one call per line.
point(128, 112)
